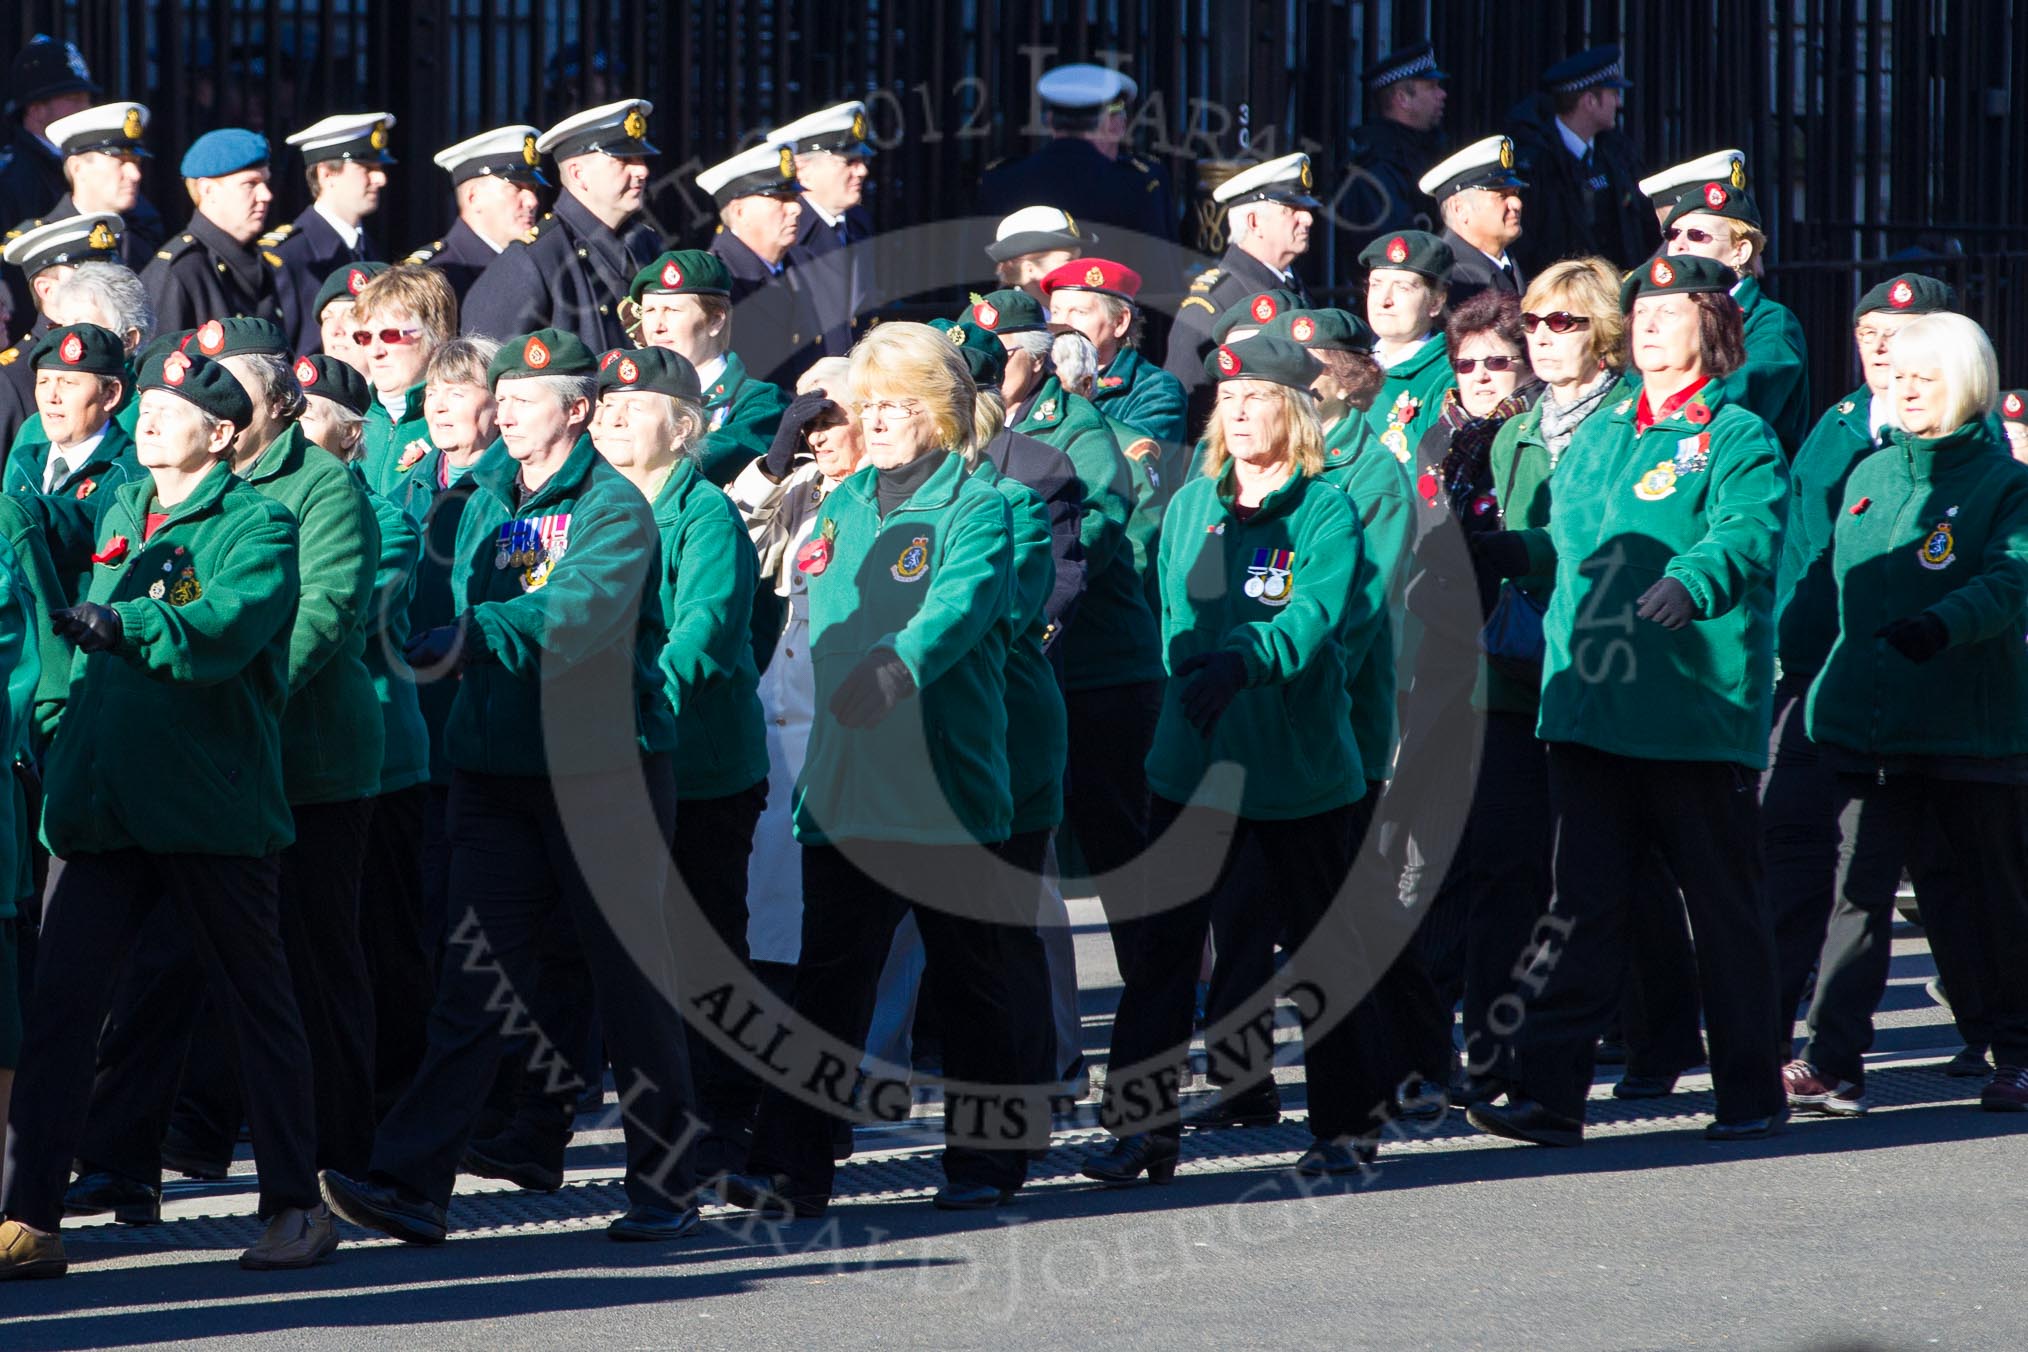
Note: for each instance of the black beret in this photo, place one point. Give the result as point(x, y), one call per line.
point(200, 380)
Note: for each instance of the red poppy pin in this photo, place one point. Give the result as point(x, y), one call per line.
point(535, 354)
point(86, 489)
point(115, 550)
point(211, 338)
point(672, 276)
point(1901, 295)
point(1263, 308)
point(1714, 195)
point(1483, 504)
point(1859, 507)
point(306, 372)
point(1397, 250)
point(1426, 484)
point(1697, 414)
point(72, 350)
point(2013, 405)
point(815, 556)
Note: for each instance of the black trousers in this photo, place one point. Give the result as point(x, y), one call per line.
point(1660, 1012)
point(436, 873)
point(1274, 879)
point(1610, 811)
point(1105, 783)
point(391, 933)
point(161, 1016)
point(230, 908)
point(594, 848)
point(979, 971)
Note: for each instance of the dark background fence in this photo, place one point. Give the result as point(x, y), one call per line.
point(1880, 133)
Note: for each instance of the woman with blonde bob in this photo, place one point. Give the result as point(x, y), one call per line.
point(1263, 612)
point(1922, 705)
point(905, 790)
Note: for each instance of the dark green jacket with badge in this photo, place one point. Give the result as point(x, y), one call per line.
point(1410, 397)
point(741, 415)
point(561, 591)
point(1378, 485)
point(932, 583)
point(1774, 380)
point(23, 532)
point(1113, 639)
point(1806, 597)
point(1933, 527)
point(1037, 723)
point(405, 754)
point(395, 439)
point(1281, 589)
point(709, 572)
point(1139, 394)
point(1698, 497)
point(331, 733)
point(21, 658)
point(172, 742)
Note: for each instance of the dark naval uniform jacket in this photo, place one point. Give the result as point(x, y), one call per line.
point(568, 272)
point(774, 327)
point(205, 273)
point(835, 276)
point(461, 255)
point(310, 250)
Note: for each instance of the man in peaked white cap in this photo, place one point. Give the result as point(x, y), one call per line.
point(1479, 196)
point(102, 154)
point(1269, 209)
point(1085, 167)
point(494, 176)
point(760, 211)
point(832, 155)
point(345, 159)
point(1720, 166)
point(573, 268)
point(1033, 242)
point(44, 253)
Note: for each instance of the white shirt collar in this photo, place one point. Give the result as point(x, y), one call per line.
point(830, 218)
point(349, 233)
point(483, 239)
point(709, 372)
point(1879, 415)
point(1397, 356)
point(1572, 142)
point(72, 457)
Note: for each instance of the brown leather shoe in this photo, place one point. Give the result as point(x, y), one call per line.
point(26, 1253)
point(296, 1238)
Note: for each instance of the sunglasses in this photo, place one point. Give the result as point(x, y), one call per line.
point(392, 337)
point(1464, 366)
point(1562, 321)
point(1694, 235)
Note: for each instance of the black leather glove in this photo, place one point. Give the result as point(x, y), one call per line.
point(1503, 552)
point(444, 650)
point(1668, 603)
point(803, 410)
point(870, 690)
point(1217, 678)
point(94, 628)
point(1918, 638)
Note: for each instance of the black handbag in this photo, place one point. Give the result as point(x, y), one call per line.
point(1512, 637)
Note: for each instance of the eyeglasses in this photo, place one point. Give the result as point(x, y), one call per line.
point(1562, 321)
point(391, 337)
point(1694, 235)
point(885, 410)
point(1464, 366)
point(1872, 337)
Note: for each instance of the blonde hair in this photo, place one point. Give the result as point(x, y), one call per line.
point(915, 361)
point(424, 292)
point(1305, 434)
point(989, 417)
point(1589, 287)
point(1959, 348)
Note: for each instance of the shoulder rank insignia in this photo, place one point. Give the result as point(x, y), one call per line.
point(424, 254)
point(273, 258)
point(277, 235)
point(11, 355)
point(1206, 279)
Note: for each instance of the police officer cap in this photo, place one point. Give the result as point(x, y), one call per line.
point(1486, 163)
point(985, 356)
point(1593, 68)
point(1287, 180)
point(1715, 199)
point(1094, 274)
point(115, 128)
point(80, 347)
point(1085, 88)
point(1262, 358)
point(328, 378)
point(1411, 251)
point(1326, 330)
point(2014, 406)
point(1908, 293)
point(611, 129)
point(1407, 63)
point(1679, 275)
point(44, 69)
point(682, 272)
point(203, 382)
point(1256, 310)
point(1722, 166)
point(1007, 311)
point(344, 284)
point(545, 352)
point(504, 152)
point(35, 245)
point(1038, 230)
point(837, 130)
point(345, 136)
point(768, 169)
point(654, 370)
point(225, 151)
point(238, 337)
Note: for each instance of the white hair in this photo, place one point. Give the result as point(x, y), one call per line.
point(275, 379)
point(1074, 359)
point(1959, 348)
point(351, 425)
point(1034, 342)
point(565, 389)
point(115, 291)
point(826, 373)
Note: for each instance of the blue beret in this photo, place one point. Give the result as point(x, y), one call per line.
point(225, 151)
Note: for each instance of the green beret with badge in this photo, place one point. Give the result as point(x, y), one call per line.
point(85, 348)
point(344, 284)
point(1676, 275)
point(1254, 311)
point(649, 370)
point(203, 382)
point(682, 272)
point(1416, 251)
point(238, 337)
point(984, 355)
point(1716, 199)
point(545, 352)
point(1007, 311)
point(1260, 358)
point(1907, 293)
point(1328, 330)
point(329, 378)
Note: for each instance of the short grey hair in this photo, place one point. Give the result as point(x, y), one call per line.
point(564, 389)
point(276, 379)
point(461, 361)
point(117, 293)
point(1035, 342)
point(352, 424)
point(830, 374)
point(1074, 358)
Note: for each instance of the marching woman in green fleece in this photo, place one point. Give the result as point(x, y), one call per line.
point(1657, 679)
point(1262, 606)
point(1922, 705)
point(904, 801)
point(166, 788)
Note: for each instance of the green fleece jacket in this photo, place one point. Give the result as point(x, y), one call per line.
point(437, 507)
point(1806, 599)
point(1410, 398)
point(1774, 380)
point(395, 439)
point(405, 754)
point(1037, 723)
point(21, 659)
point(741, 415)
point(70, 515)
point(23, 532)
point(1378, 485)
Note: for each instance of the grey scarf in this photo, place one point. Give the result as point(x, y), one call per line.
point(1560, 421)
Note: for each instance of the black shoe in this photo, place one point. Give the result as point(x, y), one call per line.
point(1222, 1110)
point(1478, 1089)
point(771, 1197)
point(1611, 1052)
point(647, 1224)
point(971, 1197)
point(1523, 1119)
point(841, 1140)
point(191, 1164)
point(383, 1207)
point(1645, 1086)
point(131, 1201)
point(1132, 1156)
point(535, 1168)
point(1421, 1100)
point(1746, 1129)
point(1971, 1063)
point(1332, 1159)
